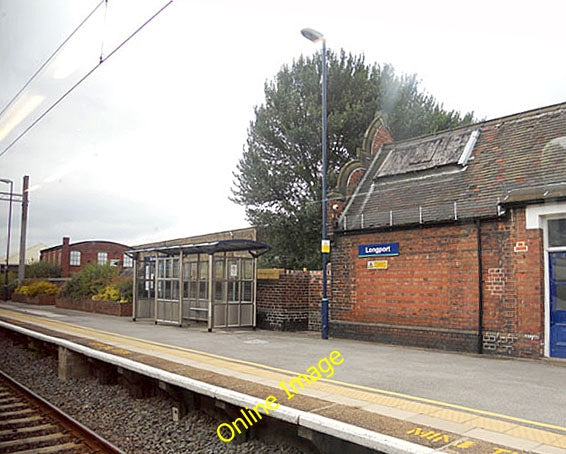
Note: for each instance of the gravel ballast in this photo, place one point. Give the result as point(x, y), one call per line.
point(134, 425)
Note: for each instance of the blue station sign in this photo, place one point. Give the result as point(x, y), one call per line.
point(378, 250)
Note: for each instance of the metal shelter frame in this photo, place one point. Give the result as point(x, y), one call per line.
point(211, 281)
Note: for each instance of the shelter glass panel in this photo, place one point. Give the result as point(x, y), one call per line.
point(233, 269)
point(218, 269)
point(234, 291)
point(247, 288)
point(168, 279)
point(203, 290)
point(195, 280)
point(248, 269)
point(203, 270)
point(219, 287)
point(146, 279)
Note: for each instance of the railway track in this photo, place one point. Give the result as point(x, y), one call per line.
point(31, 425)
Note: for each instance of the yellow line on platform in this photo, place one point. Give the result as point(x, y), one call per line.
point(229, 363)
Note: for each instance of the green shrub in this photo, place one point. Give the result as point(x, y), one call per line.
point(42, 270)
point(109, 293)
point(90, 281)
point(126, 290)
point(120, 291)
point(38, 288)
point(23, 289)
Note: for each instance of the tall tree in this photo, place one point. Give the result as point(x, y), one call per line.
point(278, 178)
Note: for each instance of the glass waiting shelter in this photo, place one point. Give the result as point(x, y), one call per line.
point(212, 282)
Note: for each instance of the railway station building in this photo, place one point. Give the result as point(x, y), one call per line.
point(455, 240)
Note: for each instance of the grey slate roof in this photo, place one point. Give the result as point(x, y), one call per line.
point(464, 173)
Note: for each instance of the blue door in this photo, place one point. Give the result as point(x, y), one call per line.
point(557, 304)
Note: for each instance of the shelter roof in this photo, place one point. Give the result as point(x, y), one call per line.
point(254, 247)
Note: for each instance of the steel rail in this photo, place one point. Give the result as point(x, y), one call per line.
point(87, 437)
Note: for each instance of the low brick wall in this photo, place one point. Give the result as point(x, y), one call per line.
point(289, 300)
point(440, 339)
point(40, 300)
point(97, 307)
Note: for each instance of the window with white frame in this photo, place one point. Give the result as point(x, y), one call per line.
point(128, 261)
point(557, 232)
point(102, 258)
point(75, 259)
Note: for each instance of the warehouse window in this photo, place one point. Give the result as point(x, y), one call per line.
point(128, 261)
point(75, 259)
point(102, 258)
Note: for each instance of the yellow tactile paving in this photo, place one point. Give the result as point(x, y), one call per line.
point(492, 424)
point(353, 394)
point(356, 393)
point(384, 400)
point(560, 442)
point(452, 415)
point(529, 433)
point(417, 407)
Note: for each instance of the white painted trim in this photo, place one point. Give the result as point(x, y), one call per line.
point(535, 213)
point(544, 222)
point(470, 144)
point(537, 217)
point(358, 435)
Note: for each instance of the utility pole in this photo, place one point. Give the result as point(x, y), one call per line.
point(23, 230)
point(7, 266)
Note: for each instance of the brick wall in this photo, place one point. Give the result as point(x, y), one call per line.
point(289, 300)
point(428, 296)
point(89, 250)
point(98, 307)
point(513, 276)
point(315, 299)
point(52, 256)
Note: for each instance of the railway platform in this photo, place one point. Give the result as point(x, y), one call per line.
point(387, 398)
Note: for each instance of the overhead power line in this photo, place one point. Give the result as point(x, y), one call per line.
point(82, 79)
point(46, 62)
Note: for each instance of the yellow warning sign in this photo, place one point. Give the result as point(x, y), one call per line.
point(377, 265)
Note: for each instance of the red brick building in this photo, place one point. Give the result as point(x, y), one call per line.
point(455, 240)
point(73, 257)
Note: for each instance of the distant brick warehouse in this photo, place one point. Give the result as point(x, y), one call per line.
point(74, 257)
point(455, 240)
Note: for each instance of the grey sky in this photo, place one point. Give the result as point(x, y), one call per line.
point(146, 147)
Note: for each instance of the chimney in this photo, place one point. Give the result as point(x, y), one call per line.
point(66, 258)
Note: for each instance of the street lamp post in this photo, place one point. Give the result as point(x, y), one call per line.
point(315, 36)
point(11, 183)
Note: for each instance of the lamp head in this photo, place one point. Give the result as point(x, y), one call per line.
point(312, 35)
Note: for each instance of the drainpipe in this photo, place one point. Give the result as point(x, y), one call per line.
point(480, 287)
